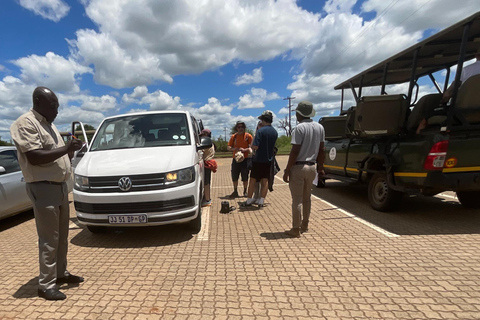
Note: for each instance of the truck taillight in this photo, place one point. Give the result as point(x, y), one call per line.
point(436, 157)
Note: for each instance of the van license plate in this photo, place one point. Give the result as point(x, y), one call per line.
point(126, 219)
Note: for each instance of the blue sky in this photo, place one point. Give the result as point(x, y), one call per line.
point(222, 60)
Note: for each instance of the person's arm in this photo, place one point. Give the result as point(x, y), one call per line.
point(321, 159)
point(230, 146)
point(292, 158)
point(40, 156)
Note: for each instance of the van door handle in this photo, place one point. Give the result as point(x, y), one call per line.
point(344, 146)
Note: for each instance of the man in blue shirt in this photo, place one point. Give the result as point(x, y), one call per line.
point(263, 144)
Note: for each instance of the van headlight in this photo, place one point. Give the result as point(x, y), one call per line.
point(183, 176)
point(81, 183)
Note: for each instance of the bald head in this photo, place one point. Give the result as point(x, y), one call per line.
point(45, 102)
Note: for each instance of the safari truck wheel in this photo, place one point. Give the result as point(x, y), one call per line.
point(469, 199)
point(380, 195)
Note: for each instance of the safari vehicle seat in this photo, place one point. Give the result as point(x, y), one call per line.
point(380, 115)
point(421, 109)
point(335, 127)
point(468, 99)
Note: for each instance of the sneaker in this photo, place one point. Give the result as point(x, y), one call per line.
point(206, 203)
point(234, 194)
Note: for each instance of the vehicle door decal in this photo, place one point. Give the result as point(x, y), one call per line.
point(332, 154)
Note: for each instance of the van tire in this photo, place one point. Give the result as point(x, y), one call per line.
point(97, 229)
point(196, 224)
point(469, 199)
point(380, 195)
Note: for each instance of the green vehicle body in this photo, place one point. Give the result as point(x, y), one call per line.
point(376, 142)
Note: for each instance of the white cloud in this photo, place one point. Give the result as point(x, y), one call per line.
point(255, 99)
point(53, 10)
point(52, 71)
point(255, 77)
point(145, 41)
point(157, 100)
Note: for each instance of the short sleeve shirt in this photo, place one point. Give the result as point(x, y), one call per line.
point(309, 134)
point(265, 140)
point(470, 70)
point(31, 131)
point(240, 141)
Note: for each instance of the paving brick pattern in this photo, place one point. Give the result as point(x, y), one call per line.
point(241, 266)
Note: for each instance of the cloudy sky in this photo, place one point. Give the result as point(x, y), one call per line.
point(223, 60)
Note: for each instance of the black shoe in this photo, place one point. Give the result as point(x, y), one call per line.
point(245, 193)
point(70, 279)
point(51, 294)
point(234, 194)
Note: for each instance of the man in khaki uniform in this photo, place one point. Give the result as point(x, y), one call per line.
point(45, 162)
point(308, 149)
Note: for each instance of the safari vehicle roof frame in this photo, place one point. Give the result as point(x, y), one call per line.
point(452, 46)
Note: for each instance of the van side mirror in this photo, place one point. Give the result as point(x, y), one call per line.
point(205, 143)
point(2, 170)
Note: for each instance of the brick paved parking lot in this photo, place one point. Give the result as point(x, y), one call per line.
point(422, 262)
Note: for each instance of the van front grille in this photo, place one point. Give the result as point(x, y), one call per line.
point(135, 207)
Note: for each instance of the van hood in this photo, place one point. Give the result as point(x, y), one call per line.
point(136, 161)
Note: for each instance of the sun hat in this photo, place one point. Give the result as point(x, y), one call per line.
point(240, 122)
point(305, 108)
point(239, 156)
point(206, 132)
point(266, 115)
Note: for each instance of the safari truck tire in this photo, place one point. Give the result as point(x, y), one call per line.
point(469, 199)
point(381, 196)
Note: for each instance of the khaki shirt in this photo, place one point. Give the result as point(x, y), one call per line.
point(31, 131)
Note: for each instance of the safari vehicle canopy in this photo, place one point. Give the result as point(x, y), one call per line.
point(452, 46)
point(379, 141)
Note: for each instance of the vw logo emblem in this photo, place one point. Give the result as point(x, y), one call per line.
point(125, 183)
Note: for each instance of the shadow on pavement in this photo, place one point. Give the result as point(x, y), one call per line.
point(15, 220)
point(416, 215)
point(275, 235)
point(28, 290)
point(134, 237)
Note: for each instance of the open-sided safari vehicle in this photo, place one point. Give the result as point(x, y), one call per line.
point(378, 141)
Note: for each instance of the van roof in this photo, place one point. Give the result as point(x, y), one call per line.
point(148, 112)
point(436, 53)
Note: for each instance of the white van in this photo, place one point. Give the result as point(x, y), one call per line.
point(142, 169)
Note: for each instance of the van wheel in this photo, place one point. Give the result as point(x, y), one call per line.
point(380, 195)
point(196, 224)
point(469, 199)
point(97, 229)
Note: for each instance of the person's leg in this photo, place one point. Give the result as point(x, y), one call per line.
point(296, 189)
point(63, 227)
point(235, 176)
point(244, 172)
point(46, 202)
point(309, 176)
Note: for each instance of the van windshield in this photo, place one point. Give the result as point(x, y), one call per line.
point(139, 131)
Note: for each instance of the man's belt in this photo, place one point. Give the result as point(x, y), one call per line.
point(308, 163)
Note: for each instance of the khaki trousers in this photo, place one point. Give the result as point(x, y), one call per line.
point(51, 209)
point(301, 179)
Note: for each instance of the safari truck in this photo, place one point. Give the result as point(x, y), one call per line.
point(378, 141)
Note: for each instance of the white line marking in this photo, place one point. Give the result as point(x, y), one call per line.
point(203, 234)
point(446, 196)
point(368, 224)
